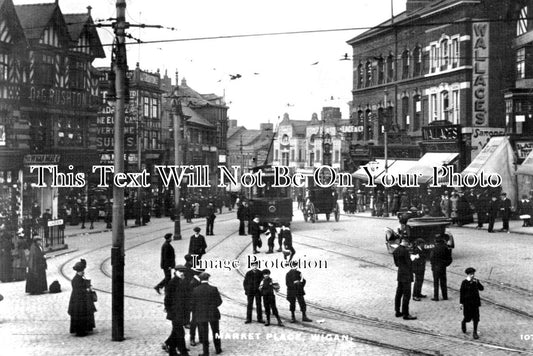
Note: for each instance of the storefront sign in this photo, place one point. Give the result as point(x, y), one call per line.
point(59, 97)
point(55, 222)
point(351, 128)
point(105, 129)
point(480, 75)
point(41, 159)
point(149, 78)
point(523, 148)
point(440, 133)
point(481, 136)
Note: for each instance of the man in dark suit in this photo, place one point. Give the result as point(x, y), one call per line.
point(197, 244)
point(242, 216)
point(492, 213)
point(176, 307)
point(440, 258)
point(205, 302)
point(210, 219)
point(252, 280)
point(295, 291)
point(168, 261)
point(505, 211)
point(194, 282)
point(402, 260)
point(419, 269)
point(255, 231)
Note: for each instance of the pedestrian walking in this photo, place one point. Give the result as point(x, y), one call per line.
point(440, 258)
point(492, 213)
point(288, 249)
point(402, 260)
point(242, 215)
point(194, 282)
point(419, 269)
point(252, 280)
point(177, 308)
point(295, 291)
point(210, 219)
point(505, 211)
point(271, 235)
point(93, 214)
point(168, 261)
point(36, 277)
point(205, 302)
point(470, 300)
point(81, 305)
point(197, 244)
point(255, 231)
point(480, 207)
point(267, 288)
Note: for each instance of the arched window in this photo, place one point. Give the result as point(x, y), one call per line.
point(390, 68)
point(360, 75)
point(406, 62)
point(368, 70)
point(445, 106)
point(417, 61)
point(406, 120)
point(445, 54)
point(381, 70)
point(521, 24)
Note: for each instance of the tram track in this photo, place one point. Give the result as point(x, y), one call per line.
point(102, 269)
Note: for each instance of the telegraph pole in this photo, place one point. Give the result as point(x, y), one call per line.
point(117, 250)
point(177, 161)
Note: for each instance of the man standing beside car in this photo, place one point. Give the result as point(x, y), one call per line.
point(440, 258)
point(402, 260)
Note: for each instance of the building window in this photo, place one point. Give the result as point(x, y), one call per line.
point(417, 59)
point(4, 65)
point(146, 106)
point(381, 70)
point(445, 106)
point(317, 155)
point(292, 155)
point(276, 155)
point(434, 58)
point(390, 68)
point(405, 113)
point(70, 132)
point(311, 159)
point(77, 74)
point(455, 52)
point(434, 114)
point(368, 70)
point(521, 63)
point(369, 125)
point(360, 75)
point(521, 24)
point(337, 156)
point(44, 74)
point(455, 107)
point(406, 62)
point(155, 106)
point(417, 112)
point(445, 58)
point(299, 155)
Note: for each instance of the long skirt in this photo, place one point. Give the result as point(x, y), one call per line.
point(36, 282)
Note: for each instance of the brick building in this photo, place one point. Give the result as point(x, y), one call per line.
point(433, 76)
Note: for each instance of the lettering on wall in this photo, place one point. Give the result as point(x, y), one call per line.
point(480, 77)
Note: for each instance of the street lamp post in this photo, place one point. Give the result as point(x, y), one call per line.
point(177, 161)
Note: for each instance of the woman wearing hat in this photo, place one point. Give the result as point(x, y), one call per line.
point(36, 277)
point(81, 306)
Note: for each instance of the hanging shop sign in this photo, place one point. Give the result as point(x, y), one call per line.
point(38, 159)
point(523, 148)
point(441, 133)
point(480, 75)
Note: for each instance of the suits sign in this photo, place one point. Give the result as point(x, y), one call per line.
point(480, 75)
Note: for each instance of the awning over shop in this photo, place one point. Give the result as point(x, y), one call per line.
point(376, 168)
point(397, 167)
point(497, 157)
point(526, 168)
point(425, 165)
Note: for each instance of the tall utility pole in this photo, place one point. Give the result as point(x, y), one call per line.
point(177, 161)
point(120, 67)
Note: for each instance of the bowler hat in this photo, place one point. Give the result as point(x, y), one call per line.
point(180, 268)
point(470, 270)
point(196, 229)
point(204, 276)
point(168, 236)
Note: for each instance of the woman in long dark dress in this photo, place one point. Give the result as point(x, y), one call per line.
point(36, 277)
point(81, 306)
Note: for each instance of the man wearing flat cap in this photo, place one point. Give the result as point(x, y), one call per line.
point(168, 261)
point(251, 282)
point(197, 244)
point(470, 300)
point(205, 302)
point(176, 306)
point(505, 211)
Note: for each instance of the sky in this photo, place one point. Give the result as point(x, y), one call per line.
point(296, 74)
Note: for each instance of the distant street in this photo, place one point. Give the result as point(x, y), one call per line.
point(350, 302)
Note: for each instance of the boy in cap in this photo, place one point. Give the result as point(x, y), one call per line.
point(470, 300)
point(267, 288)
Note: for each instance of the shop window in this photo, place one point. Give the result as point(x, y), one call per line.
point(405, 113)
point(521, 63)
point(4, 65)
point(521, 24)
point(406, 62)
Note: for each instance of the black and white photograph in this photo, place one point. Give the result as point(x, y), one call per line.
point(241, 178)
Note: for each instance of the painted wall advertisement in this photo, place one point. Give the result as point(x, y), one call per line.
point(481, 136)
point(480, 77)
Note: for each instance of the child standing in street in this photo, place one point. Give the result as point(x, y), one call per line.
point(267, 288)
point(470, 301)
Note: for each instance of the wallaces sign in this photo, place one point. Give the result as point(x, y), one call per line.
point(480, 75)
